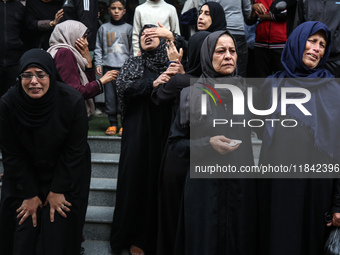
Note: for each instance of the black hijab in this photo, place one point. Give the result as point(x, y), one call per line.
point(34, 112)
point(217, 17)
point(194, 53)
point(191, 96)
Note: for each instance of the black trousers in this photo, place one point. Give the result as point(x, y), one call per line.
point(267, 61)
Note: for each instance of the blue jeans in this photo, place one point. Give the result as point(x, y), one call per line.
point(111, 101)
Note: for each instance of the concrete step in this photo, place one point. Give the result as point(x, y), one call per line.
point(102, 192)
point(104, 144)
point(98, 223)
point(104, 165)
point(93, 247)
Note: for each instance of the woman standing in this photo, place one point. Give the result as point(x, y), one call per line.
point(46, 159)
point(219, 215)
point(69, 48)
point(292, 211)
point(144, 137)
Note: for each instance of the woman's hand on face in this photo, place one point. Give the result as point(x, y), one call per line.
point(27, 208)
point(172, 52)
point(160, 31)
point(109, 76)
point(335, 220)
point(83, 47)
point(219, 144)
point(58, 16)
point(163, 78)
point(57, 203)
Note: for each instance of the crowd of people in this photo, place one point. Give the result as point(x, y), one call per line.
point(170, 92)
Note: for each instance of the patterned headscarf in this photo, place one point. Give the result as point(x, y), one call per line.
point(133, 68)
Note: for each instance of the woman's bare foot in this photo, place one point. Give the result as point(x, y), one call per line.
point(134, 250)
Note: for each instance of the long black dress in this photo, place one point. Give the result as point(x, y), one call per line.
point(219, 214)
point(146, 127)
point(44, 147)
point(292, 211)
point(173, 169)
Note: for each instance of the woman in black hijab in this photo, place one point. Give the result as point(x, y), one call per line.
point(211, 17)
point(41, 17)
point(144, 137)
point(218, 211)
point(173, 169)
point(46, 159)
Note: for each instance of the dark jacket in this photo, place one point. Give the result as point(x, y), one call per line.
point(85, 11)
point(328, 13)
point(11, 32)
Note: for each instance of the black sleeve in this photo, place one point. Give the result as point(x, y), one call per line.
point(336, 196)
point(18, 168)
point(70, 164)
point(180, 143)
point(168, 92)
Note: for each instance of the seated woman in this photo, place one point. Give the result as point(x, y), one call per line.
point(219, 215)
point(46, 159)
point(292, 211)
point(69, 48)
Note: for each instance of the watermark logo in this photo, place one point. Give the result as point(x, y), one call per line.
point(204, 97)
point(239, 105)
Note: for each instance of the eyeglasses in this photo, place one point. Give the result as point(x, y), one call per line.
point(29, 76)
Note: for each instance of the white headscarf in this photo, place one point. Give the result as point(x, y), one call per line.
point(65, 35)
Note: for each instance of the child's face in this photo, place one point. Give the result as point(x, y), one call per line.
point(117, 10)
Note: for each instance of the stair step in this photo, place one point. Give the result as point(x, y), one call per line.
point(93, 247)
point(98, 223)
point(104, 144)
point(102, 192)
point(104, 165)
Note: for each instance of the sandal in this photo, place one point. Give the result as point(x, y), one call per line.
point(134, 250)
point(120, 131)
point(111, 130)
